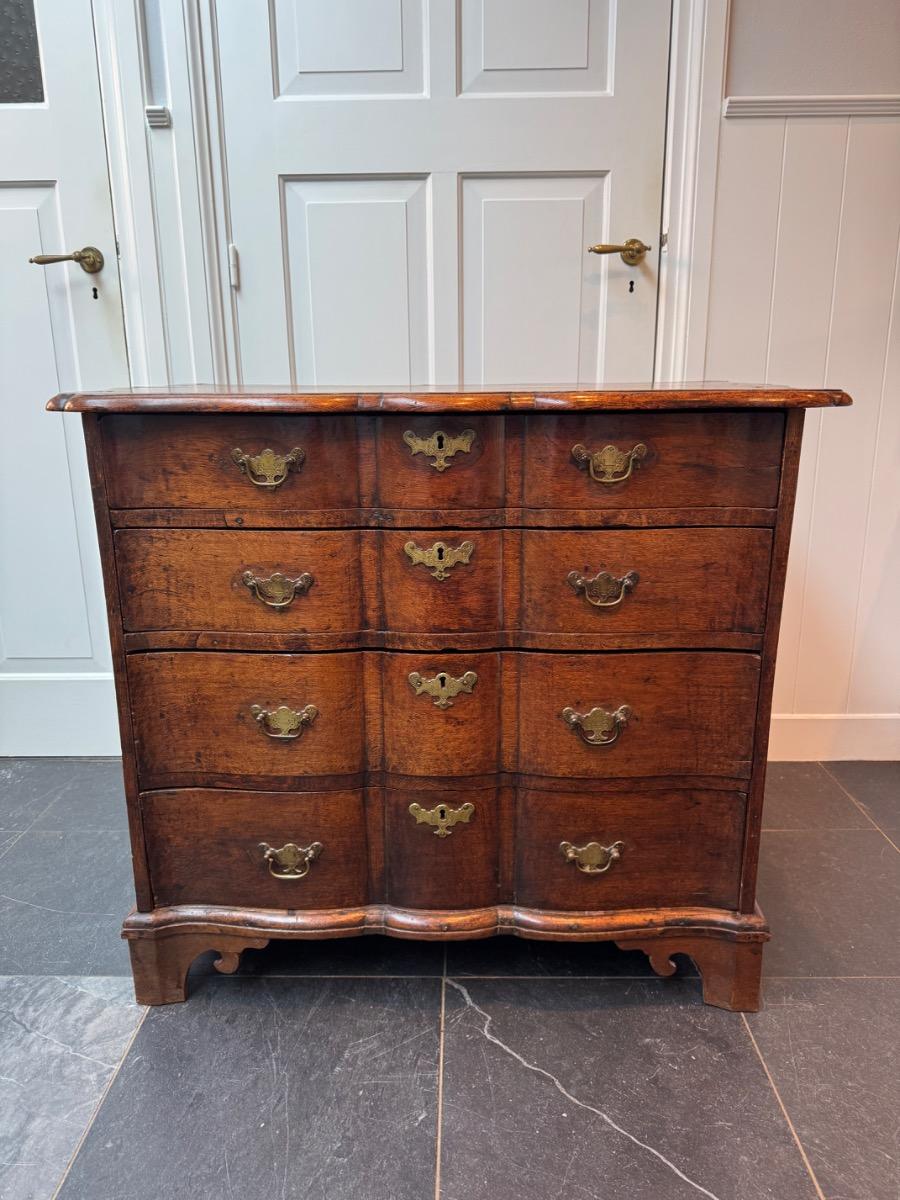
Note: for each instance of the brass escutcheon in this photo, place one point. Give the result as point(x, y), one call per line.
point(441, 817)
point(268, 469)
point(290, 861)
point(440, 447)
point(604, 590)
point(597, 727)
point(278, 591)
point(609, 465)
point(442, 687)
point(440, 557)
point(283, 723)
point(593, 858)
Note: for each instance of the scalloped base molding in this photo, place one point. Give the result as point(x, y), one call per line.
point(834, 737)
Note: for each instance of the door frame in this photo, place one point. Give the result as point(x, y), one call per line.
point(179, 167)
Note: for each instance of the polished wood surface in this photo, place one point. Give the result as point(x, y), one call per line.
point(443, 764)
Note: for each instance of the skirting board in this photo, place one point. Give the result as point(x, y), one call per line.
point(835, 737)
point(58, 714)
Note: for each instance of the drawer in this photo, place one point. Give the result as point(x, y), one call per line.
point(441, 713)
point(203, 847)
point(663, 460)
point(189, 462)
point(447, 581)
point(449, 460)
point(264, 582)
point(680, 713)
point(680, 581)
point(672, 849)
point(444, 853)
point(201, 718)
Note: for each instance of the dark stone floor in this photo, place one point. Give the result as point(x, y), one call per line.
point(371, 1069)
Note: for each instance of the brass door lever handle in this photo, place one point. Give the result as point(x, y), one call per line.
point(632, 251)
point(89, 259)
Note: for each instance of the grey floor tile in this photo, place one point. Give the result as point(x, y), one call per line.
point(95, 799)
point(367, 955)
point(63, 896)
point(804, 796)
point(876, 785)
point(833, 902)
point(831, 1046)
point(29, 785)
point(60, 1041)
point(512, 956)
point(8, 838)
point(268, 1087)
point(607, 1088)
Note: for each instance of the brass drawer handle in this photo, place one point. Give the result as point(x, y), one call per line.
point(278, 591)
point(440, 557)
point(443, 687)
point(268, 469)
point(593, 858)
point(283, 723)
point(440, 447)
point(609, 465)
point(441, 817)
point(290, 861)
point(604, 590)
point(597, 727)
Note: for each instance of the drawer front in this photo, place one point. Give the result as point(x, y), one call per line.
point(663, 460)
point(682, 581)
point(442, 581)
point(204, 847)
point(662, 714)
point(433, 462)
point(629, 850)
point(278, 582)
point(441, 713)
point(189, 462)
point(442, 848)
point(211, 718)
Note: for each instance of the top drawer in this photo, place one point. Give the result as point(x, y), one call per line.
point(658, 460)
point(241, 462)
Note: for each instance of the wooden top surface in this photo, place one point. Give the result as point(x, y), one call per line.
point(200, 398)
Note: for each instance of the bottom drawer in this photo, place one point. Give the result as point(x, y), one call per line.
point(203, 847)
point(670, 849)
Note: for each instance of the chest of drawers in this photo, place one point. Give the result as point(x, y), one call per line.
point(445, 665)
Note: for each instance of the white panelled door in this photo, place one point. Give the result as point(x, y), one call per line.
point(60, 329)
point(413, 185)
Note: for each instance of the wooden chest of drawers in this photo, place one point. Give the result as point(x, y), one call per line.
point(444, 665)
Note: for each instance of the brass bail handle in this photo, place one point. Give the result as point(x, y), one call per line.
point(632, 251)
point(88, 258)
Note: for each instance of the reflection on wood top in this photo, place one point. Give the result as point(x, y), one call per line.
point(435, 398)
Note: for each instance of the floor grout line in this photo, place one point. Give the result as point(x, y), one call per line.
point(784, 1111)
point(860, 806)
point(440, 1085)
point(99, 1104)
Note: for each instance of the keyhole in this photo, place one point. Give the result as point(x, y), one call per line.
point(442, 679)
point(631, 285)
point(440, 551)
point(440, 441)
point(96, 295)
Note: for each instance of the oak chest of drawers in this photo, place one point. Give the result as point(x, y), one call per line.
point(445, 665)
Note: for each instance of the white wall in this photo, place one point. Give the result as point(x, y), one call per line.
point(804, 290)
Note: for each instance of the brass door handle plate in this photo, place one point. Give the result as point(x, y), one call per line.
point(268, 469)
point(440, 447)
point(597, 727)
point(440, 558)
point(592, 859)
point(441, 817)
point(290, 861)
point(603, 590)
point(283, 723)
point(443, 688)
point(278, 591)
point(88, 258)
point(609, 465)
point(632, 252)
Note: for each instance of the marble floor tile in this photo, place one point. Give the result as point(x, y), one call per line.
point(29, 785)
point(831, 1046)
point(60, 1041)
point(95, 800)
point(876, 785)
point(607, 1089)
point(804, 796)
point(318, 1089)
point(8, 838)
point(367, 955)
point(63, 896)
point(832, 899)
point(511, 956)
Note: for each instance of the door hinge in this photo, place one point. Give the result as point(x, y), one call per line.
point(234, 266)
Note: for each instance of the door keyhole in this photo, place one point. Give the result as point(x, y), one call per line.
point(631, 285)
